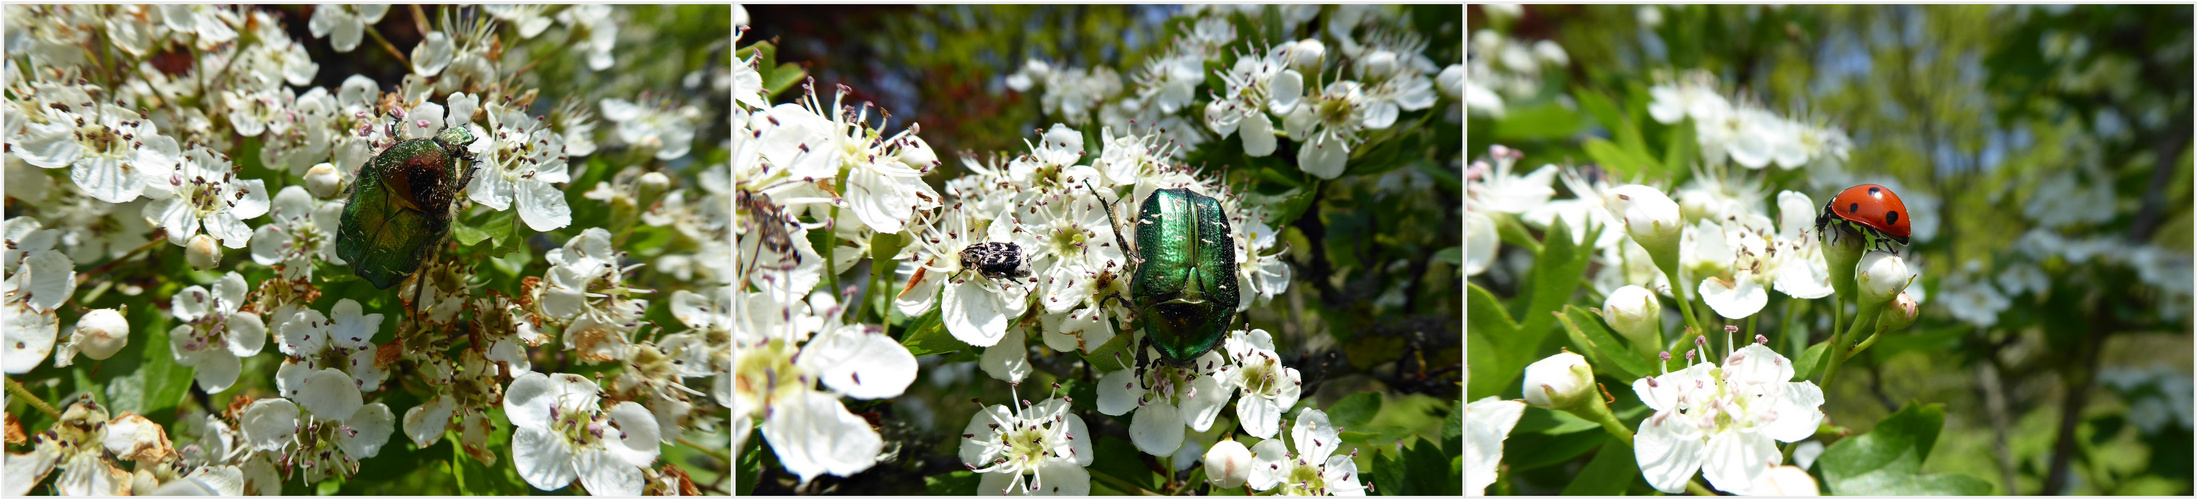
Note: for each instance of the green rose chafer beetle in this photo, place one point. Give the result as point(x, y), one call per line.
point(400, 205)
point(1183, 281)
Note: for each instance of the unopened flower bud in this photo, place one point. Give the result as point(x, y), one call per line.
point(1559, 382)
point(917, 154)
point(1635, 314)
point(101, 333)
point(202, 252)
point(1784, 481)
point(1228, 464)
point(1651, 218)
point(1306, 55)
point(324, 181)
point(1380, 63)
point(1899, 314)
point(651, 188)
point(1451, 82)
point(1552, 53)
point(1880, 276)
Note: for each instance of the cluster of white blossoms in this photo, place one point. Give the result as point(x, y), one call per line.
point(1325, 93)
point(132, 124)
point(1500, 68)
point(1749, 134)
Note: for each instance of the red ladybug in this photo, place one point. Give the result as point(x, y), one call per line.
point(1871, 209)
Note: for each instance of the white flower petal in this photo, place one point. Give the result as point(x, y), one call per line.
point(371, 425)
point(1314, 438)
point(1118, 392)
point(268, 423)
point(217, 370)
point(543, 458)
point(330, 394)
point(1740, 298)
point(1007, 360)
point(1668, 451)
point(1488, 421)
point(817, 435)
point(1157, 429)
point(974, 315)
point(425, 423)
point(636, 443)
point(1736, 459)
point(605, 475)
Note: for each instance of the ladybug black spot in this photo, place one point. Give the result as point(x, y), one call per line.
point(1892, 217)
point(1852, 207)
point(1873, 191)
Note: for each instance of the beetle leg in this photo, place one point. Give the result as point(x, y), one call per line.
point(1141, 362)
point(1131, 256)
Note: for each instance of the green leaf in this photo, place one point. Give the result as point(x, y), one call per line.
point(1542, 120)
point(1888, 460)
point(1530, 451)
point(1591, 337)
point(1810, 361)
point(1556, 274)
point(1537, 420)
point(1388, 472)
point(1609, 473)
point(166, 383)
point(466, 234)
point(1355, 410)
point(500, 226)
point(927, 335)
point(514, 263)
point(1620, 162)
point(957, 483)
point(1679, 150)
point(1428, 473)
point(1487, 328)
point(751, 461)
point(1621, 127)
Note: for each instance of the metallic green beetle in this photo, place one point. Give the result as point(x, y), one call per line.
point(400, 206)
point(1183, 275)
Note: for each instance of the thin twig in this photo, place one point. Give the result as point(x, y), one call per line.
point(103, 268)
point(25, 394)
point(370, 31)
point(721, 456)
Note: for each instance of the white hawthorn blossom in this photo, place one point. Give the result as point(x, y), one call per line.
point(324, 431)
point(111, 152)
point(1724, 421)
point(215, 332)
point(563, 431)
point(206, 191)
point(1267, 387)
point(1315, 469)
point(1257, 85)
point(520, 160)
point(1043, 441)
point(301, 231)
point(1488, 421)
point(344, 24)
point(1166, 400)
point(782, 352)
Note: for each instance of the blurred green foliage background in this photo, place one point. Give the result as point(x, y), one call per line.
point(1981, 107)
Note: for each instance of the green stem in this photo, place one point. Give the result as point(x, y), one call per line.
point(720, 455)
point(1696, 487)
point(1750, 336)
point(1599, 412)
point(1119, 483)
point(1866, 341)
point(17, 389)
point(1840, 353)
point(1686, 305)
